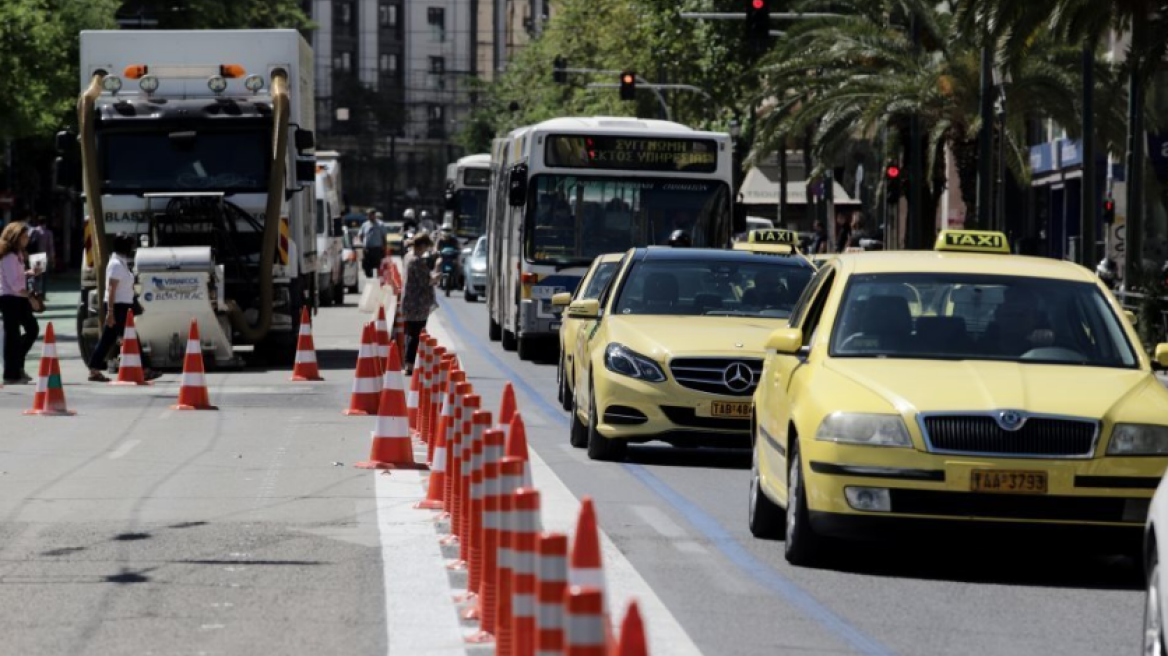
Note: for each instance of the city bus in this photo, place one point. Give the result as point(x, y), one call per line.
point(569, 189)
point(467, 188)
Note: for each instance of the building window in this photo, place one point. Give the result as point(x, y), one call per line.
point(437, 65)
point(388, 63)
point(344, 13)
point(343, 61)
point(387, 15)
point(436, 17)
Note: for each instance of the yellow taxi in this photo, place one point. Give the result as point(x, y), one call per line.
point(603, 268)
point(672, 349)
point(775, 241)
point(962, 385)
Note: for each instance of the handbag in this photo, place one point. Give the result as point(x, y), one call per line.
point(138, 308)
point(37, 303)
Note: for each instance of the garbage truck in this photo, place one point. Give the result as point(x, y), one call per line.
point(199, 143)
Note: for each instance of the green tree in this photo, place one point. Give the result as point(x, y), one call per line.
point(218, 14)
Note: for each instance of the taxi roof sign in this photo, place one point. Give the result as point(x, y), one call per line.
point(972, 241)
point(772, 236)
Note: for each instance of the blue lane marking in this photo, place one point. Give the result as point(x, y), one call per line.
point(709, 527)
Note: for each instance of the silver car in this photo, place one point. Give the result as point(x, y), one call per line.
point(474, 270)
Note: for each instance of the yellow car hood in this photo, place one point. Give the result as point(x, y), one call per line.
point(942, 385)
point(660, 337)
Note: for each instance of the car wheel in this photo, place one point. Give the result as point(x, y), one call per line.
point(601, 447)
point(510, 342)
point(802, 545)
point(566, 392)
point(527, 348)
point(494, 330)
point(1153, 609)
point(560, 383)
point(766, 518)
point(470, 296)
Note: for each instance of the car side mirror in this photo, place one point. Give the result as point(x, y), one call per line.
point(1161, 355)
point(584, 309)
point(562, 299)
point(785, 341)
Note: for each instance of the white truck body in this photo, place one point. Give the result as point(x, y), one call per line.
point(330, 208)
point(182, 63)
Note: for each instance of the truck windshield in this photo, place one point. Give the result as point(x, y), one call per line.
point(572, 219)
point(138, 161)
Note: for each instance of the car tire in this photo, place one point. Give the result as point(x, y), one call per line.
point(469, 296)
point(578, 433)
point(605, 449)
point(527, 348)
point(494, 330)
point(560, 383)
point(510, 342)
point(1153, 608)
point(765, 518)
point(802, 546)
point(565, 391)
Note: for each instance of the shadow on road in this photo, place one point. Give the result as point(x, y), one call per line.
point(653, 455)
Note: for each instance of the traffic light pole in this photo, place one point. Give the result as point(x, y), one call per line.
point(655, 88)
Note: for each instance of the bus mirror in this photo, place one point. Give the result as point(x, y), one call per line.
point(739, 218)
point(518, 185)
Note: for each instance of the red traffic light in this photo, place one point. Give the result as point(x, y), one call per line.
point(627, 78)
point(892, 172)
point(1109, 205)
point(758, 4)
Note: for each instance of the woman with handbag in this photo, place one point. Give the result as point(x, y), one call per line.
point(20, 326)
point(119, 300)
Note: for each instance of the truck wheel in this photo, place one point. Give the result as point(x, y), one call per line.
point(510, 341)
point(494, 330)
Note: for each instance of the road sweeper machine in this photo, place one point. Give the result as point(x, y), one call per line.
point(200, 145)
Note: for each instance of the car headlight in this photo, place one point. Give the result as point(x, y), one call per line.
point(1138, 440)
point(865, 429)
point(478, 267)
point(622, 360)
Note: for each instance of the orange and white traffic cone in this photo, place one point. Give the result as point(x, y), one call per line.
point(585, 632)
point(511, 479)
point(305, 367)
point(446, 413)
point(382, 339)
point(436, 486)
point(524, 541)
point(413, 396)
point(392, 447)
point(366, 380)
point(130, 371)
point(507, 407)
point(585, 567)
point(192, 394)
point(517, 444)
point(49, 400)
point(632, 633)
point(399, 327)
point(553, 580)
point(481, 423)
point(488, 589)
point(470, 405)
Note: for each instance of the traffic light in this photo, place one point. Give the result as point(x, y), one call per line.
point(758, 23)
point(893, 181)
point(559, 75)
point(628, 85)
point(1108, 210)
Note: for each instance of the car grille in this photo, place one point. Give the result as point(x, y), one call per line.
point(687, 417)
point(708, 374)
point(1038, 436)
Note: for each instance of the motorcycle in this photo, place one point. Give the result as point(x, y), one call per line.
point(449, 269)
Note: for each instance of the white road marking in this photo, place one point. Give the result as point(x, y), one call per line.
point(659, 521)
point(691, 547)
point(123, 449)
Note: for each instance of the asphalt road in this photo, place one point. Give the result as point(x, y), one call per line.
point(680, 517)
point(131, 528)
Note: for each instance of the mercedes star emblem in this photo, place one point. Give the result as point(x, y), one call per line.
point(738, 377)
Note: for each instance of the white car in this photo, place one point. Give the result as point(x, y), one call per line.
point(1155, 550)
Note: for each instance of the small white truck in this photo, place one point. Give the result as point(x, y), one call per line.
point(330, 208)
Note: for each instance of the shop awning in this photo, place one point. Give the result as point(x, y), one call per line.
point(761, 187)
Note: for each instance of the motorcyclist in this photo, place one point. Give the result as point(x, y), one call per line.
point(448, 248)
point(409, 223)
point(1107, 272)
point(426, 222)
point(680, 239)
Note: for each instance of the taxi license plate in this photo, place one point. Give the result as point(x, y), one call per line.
point(729, 409)
point(1008, 481)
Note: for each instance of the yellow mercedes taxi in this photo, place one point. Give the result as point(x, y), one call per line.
point(594, 281)
point(963, 385)
point(673, 347)
point(775, 241)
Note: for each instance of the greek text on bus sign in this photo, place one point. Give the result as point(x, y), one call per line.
point(632, 153)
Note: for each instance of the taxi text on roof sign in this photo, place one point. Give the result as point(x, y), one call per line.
point(775, 236)
point(974, 241)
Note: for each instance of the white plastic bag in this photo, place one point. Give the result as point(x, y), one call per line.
point(371, 296)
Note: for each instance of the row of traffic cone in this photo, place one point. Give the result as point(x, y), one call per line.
point(530, 593)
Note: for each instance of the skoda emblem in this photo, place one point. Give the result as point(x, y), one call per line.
point(1010, 420)
point(738, 377)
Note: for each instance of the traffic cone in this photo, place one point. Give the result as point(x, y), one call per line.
point(441, 374)
point(456, 440)
point(632, 633)
point(488, 589)
point(192, 394)
point(49, 400)
point(552, 569)
point(585, 633)
point(424, 389)
point(305, 368)
point(480, 454)
point(130, 370)
point(366, 380)
point(526, 522)
point(585, 567)
point(446, 413)
point(430, 381)
point(413, 397)
point(399, 327)
point(470, 404)
point(511, 479)
point(436, 486)
point(392, 447)
point(507, 407)
point(382, 339)
point(517, 444)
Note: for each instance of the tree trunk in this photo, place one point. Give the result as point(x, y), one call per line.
point(965, 157)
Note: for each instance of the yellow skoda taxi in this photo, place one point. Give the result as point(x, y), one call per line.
point(595, 279)
point(673, 347)
point(964, 385)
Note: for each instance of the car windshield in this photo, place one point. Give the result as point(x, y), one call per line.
point(599, 280)
point(756, 287)
point(480, 249)
point(572, 219)
point(979, 317)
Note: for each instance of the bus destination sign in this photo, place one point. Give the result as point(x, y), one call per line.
point(632, 153)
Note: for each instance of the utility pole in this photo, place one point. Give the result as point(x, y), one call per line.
point(916, 227)
point(1089, 198)
point(1134, 167)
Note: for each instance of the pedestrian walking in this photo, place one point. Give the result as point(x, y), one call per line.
point(372, 235)
point(119, 300)
point(40, 240)
point(843, 232)
point(418, 298)
point(20, 325)
point(818, 238)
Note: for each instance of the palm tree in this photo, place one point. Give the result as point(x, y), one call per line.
point(863, 73)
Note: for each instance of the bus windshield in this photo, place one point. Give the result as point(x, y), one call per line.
point(572, 219)
point(472, 212)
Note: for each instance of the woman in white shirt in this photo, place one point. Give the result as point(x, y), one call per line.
point(20, 325)
point(119, 300)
